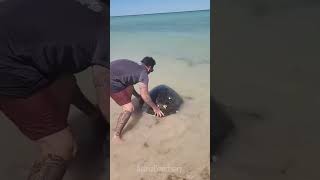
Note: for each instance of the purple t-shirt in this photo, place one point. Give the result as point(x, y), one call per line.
point(43, 40)
point(125, 73)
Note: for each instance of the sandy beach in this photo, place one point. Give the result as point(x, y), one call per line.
point(174, 146)
point(267, 63)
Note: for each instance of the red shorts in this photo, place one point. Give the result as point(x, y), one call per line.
point(123, 97)
point(43, 113)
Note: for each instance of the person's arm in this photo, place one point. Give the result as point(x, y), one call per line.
point(101, 83)
point(147, 99)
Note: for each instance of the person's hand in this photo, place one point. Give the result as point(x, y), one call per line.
point(158, 112)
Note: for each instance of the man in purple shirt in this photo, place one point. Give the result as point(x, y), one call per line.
point(123, 75)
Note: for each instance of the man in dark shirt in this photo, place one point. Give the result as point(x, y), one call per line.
point(42, 44)
point(124, 74)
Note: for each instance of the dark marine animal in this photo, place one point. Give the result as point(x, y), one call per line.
point(168, 100)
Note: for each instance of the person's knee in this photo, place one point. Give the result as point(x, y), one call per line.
point(61, 144)
point(128, 107)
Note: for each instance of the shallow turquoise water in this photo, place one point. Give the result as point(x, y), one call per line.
point(183, 36)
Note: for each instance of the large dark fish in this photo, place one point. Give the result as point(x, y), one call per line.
point(166, 99)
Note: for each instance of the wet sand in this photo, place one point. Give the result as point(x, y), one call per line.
point(267, 63)
point(173, 147)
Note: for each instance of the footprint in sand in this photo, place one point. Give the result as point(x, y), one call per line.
point(146, 145)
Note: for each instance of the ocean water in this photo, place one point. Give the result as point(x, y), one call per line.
point(182, 36)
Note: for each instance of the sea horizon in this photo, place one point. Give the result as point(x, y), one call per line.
point(173, 12)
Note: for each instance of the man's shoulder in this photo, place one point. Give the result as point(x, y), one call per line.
point(123, 61)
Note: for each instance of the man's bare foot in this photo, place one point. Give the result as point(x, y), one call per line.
point(117, 140)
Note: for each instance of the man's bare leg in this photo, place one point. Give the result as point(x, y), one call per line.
point(57, 150)
point(124, 117)
point(50, 115)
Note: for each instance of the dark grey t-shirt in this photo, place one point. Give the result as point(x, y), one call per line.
point(42, 40)
point(125, 73)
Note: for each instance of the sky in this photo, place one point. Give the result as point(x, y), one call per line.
point(134, 7)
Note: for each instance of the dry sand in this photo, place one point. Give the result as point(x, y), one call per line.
point(174, 147)
point(269, 64)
